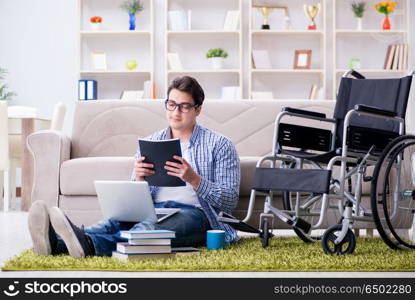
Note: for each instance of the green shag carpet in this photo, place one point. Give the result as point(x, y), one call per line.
point(283, 254)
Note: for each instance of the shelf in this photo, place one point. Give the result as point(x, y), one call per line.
point(295, 100)
point(287, 32)
point(365, 32)
point(293, 71)
point(197, 32)
point(101, 33)
point(373, 71)
point(204, 71)
point(120, 72)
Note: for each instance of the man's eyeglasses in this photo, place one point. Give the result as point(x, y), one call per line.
point(183, 107)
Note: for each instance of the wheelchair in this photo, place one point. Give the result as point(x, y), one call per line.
point(320, 170)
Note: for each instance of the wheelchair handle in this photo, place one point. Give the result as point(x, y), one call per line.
point(354, 73)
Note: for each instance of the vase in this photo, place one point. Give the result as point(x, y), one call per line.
point(359, 23)
point(132, 21)
point(95, 26)
point(216, 62)
point(386, 23)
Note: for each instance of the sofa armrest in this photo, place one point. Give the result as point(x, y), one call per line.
point(49, 149)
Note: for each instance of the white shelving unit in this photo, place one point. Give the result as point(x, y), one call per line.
point(332, 46)
point(119, 44)
point(369, 44)
point(281, 43)
point(192, 45)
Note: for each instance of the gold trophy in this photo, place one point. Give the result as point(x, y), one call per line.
point(266, 10)
point(311, 11)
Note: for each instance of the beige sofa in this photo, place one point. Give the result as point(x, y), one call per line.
point(104, 140)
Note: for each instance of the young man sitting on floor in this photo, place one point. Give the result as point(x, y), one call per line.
point(209, 166)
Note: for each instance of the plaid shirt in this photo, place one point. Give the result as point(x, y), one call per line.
point(214, 158)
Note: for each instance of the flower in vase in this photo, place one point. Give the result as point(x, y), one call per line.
point(96, 19)
point(385, 7)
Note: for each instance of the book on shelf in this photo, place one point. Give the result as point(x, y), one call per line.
point(388, 51)
point(144, 242)
point(158, 153)
point(82, 89)
point(91, 93)
point(262, 95)
point(231, 20)
point(138, 256)
point(132, 95)
point(143, 249)
point(313, 92)
point(149, 88)
point(396, 58)
point(401, 58)
point(321, 93)
point(87, 89)
point(231, 93)
point(147, 234)
point(261, 60)
point(405, 56)
point(390, 56)
point(179, 20)
point(174, 61)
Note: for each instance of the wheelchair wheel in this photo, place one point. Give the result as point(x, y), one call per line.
point(346, 246)
point(393, 193)
point(265, 234)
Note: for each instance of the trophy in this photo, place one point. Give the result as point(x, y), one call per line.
point(266, 10)
point(311, 11)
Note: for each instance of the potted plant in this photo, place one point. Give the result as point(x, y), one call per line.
point(386, 7)
point(132, 7)
point(358, 9)
point(4, 94)
point(96, 22)
point(216, 57)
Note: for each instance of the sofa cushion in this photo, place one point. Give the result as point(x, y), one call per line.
point(77, 175)
point(120, 168)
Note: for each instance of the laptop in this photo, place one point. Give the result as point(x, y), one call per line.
point(129, 201)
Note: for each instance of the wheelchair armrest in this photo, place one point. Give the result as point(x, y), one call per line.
point(304, 112)
point(375, 110)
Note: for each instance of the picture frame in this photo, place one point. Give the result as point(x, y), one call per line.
point(174, 61)
point(302, 59)
point(231, 20)
point(99, 61)
point(261, 59)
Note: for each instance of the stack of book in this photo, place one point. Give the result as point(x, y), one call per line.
point(396, 57)
point(145, 244)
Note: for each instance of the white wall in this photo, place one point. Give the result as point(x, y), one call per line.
point(39, 48)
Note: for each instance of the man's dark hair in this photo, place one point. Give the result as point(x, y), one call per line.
point(190, 86)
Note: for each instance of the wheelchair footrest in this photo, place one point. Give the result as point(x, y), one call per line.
point(236, 224)
point(293, 180)
point(301, 224)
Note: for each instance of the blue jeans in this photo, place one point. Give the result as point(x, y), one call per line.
point(190, 225)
